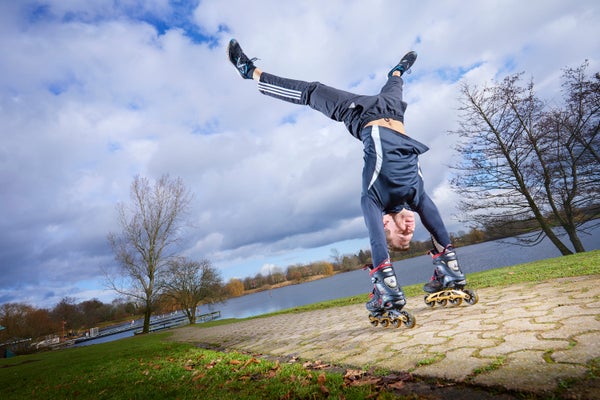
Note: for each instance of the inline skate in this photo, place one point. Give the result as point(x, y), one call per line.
point(387, 299)
point(448, 283)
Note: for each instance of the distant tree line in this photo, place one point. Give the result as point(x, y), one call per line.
point(67, 318)
point(70, 319)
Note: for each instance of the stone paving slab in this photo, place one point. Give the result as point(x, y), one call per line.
point(527, 337)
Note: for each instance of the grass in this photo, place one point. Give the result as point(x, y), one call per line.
point(431, 360)
point(494, 365)
point(153, 367)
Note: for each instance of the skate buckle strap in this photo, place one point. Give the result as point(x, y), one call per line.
point(385, 264)
point(436, 255)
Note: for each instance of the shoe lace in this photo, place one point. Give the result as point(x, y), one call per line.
point(244, 66)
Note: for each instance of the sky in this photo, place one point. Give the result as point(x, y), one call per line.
point(96, 92)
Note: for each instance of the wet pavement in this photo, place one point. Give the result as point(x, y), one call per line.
point(539, 338)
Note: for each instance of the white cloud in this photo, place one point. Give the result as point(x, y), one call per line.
point(93, 93)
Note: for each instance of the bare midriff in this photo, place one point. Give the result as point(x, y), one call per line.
point(389, 123)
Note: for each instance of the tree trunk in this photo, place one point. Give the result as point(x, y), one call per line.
point(574, 237)
point(147, 315)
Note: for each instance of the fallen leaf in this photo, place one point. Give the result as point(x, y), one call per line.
point(353, 374)
point(396, 385)
point(198, 376)
point(315, 365)
point(251, 361)
point(322, 379)
point(365, 381)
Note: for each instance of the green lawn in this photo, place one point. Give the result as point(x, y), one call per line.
point(152, 367)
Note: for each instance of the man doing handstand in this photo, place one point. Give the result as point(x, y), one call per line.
point(392, 185)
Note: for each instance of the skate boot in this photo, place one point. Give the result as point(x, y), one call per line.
point(387, 299)
point(404, 65)
point(448, 281)
point(243, 64)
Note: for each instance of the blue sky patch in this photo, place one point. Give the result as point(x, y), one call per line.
point(113, 147)
point(38, 12)
point(289, 119)
point(455, 74)
point(209, 127)
point(57, 88)
point(180, 17)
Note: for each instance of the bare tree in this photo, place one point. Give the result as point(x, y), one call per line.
point(581, 116)
point(521, 160)
point(191, 283)
point(337, 257)
point(150, 228)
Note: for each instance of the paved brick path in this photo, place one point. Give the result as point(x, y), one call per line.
point(527, 337)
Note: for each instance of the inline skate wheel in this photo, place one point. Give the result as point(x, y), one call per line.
point(374, 321)
point(427, 302)
point(455, 301)
point(473, 297)
point(409, 319)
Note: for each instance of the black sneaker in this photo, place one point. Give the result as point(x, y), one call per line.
point(404, 65)
point(240, 61)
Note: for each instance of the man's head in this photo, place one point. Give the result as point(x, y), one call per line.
point(399, 229)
